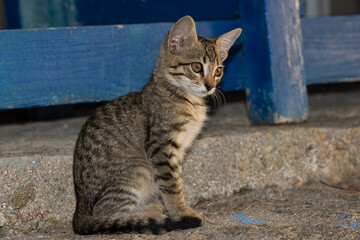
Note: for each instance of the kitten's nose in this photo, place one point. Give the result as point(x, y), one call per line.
point(208, 86)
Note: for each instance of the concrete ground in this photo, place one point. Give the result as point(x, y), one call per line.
point(249, 182)
point(302, 213)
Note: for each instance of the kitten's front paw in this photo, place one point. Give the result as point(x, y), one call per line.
point(191, 213)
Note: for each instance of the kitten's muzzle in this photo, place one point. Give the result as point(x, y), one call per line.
point(208, 87)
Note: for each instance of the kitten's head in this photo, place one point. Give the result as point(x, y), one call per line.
point(194, 63)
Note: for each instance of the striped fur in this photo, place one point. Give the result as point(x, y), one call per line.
point(127, 159)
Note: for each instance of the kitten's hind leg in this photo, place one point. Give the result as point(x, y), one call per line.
point(156, 208)
point(150, 213)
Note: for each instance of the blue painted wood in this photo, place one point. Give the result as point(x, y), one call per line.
point(140, 11)
point(331, 49)
point(274, 72)
point(57, 13)
point(89, 64)
point(40, 13)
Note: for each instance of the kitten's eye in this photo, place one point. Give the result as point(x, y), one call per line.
point(218, 72)
point(196, 67)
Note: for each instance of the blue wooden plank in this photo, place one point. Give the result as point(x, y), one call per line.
point(89, 64)
point(56, 13)
point(40, 13)
point(140, 11)
point(331, 49)
point(274, 72)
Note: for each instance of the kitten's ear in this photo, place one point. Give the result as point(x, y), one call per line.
point(182, 35)
point(225, 41)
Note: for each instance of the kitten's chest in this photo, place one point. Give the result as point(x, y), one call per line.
point(189, 131)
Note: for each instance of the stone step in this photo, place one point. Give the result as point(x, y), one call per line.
point(229, 157)
point(315, 212)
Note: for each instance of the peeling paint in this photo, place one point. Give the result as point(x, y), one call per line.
point(281, 119)
point(245, 220)
point(278, 84)
point(352, 223)
point(67, 99)
point(354, 79)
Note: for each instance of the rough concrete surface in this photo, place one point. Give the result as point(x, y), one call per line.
point(230, 156)
point(300, 213)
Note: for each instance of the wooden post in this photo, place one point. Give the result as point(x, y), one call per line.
point(274, 66)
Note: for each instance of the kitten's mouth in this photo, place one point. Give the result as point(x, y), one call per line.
point(211, 91)
point(200, 91)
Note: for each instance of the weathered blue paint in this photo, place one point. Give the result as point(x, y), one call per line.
point(274, 71)
point(56, 13)
point(140, 11)
point(47, 13)
point(72, 65)
point(331, 49)
point(89, 64)
point(350, 223)
point(245, 220)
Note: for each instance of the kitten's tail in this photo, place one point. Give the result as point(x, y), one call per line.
point(86, 225)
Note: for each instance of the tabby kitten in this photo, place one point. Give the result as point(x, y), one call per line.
point(127, 160)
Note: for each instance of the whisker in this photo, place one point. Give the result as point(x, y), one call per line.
point(221, 102)
point(216, 101)
point(222, 96)
point(211, 99)
point(219, 99)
